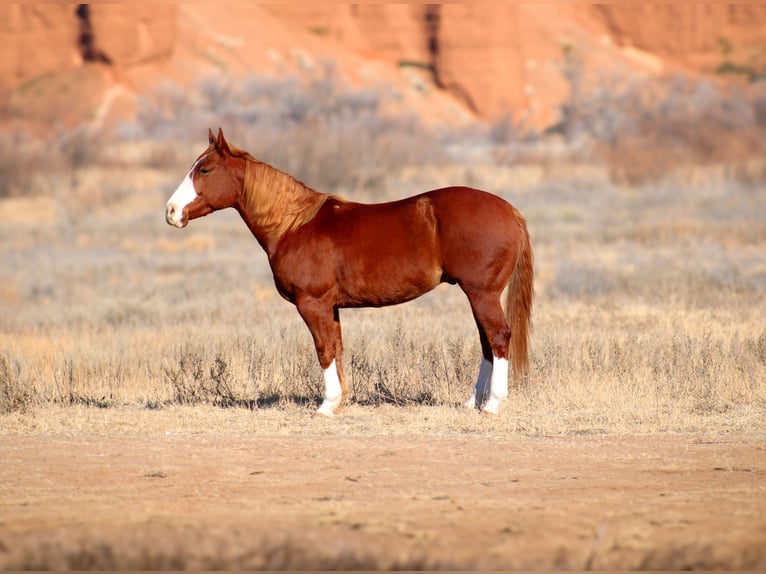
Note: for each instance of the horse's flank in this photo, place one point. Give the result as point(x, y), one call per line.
point(275, 203)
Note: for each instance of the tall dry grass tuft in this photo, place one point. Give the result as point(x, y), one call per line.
point(14, 394)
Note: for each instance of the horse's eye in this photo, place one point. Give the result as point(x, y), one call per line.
point(204, 171)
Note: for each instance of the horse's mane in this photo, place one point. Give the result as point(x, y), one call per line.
point(275, 200)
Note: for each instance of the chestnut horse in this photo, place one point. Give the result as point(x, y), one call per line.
point(327, 253)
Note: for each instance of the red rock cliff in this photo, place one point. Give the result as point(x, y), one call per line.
point(493, 59)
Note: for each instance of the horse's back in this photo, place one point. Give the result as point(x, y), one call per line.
point(468, 204)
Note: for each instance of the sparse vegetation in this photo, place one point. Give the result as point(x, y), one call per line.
point(133, 340)
point(650, 263)
point(644, 129)
point(14, 395)
point(318, 130)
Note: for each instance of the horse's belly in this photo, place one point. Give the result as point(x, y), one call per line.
point(387, 281)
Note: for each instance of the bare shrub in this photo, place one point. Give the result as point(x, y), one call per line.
point(79, 147)
point(164, 114)
point(21, 159)
point(9, 172)
point(187, 380)
point(14, 394)
point(402, 368)
point(194, 382)
point(31, 164)
point(330, 136)
point(646, 128)
point(686, 123)
point(80, 383)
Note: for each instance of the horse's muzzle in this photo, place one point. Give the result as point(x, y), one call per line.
point(175, 217)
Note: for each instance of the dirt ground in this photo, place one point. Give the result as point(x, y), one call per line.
point(411, 502)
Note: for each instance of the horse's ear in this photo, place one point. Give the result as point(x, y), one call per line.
point(210, 136)
point(222, 144)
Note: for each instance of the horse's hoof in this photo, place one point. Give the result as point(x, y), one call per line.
point(491, 407)
point(330, 408)
point(325, 412)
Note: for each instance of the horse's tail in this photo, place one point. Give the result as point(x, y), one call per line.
point(518, 301)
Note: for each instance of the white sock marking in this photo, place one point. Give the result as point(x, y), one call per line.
point(480, 389)
point(498, 385)
point(332, 391)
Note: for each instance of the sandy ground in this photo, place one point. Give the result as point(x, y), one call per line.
point(330, 501)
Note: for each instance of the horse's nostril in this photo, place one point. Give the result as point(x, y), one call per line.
point(170, 213)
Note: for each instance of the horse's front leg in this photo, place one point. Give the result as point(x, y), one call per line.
point(324, 323)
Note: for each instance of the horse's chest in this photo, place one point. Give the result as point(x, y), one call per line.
point(306, 270)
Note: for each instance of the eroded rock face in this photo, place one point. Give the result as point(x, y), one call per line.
point(494, 59)
point(479, 56)
point(473, 51)
point(37, 39)
point(506, 57)
point(130, 34)
point(684, 31)
point(40, 39)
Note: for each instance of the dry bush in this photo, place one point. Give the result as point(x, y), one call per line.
point(686, 123)
point(647, 128)
point(683, 124)
point(400, 364)
point(9, 172)
point(334, 138)
point(53, 164)
point(15, 395)
point(20, 160)
point(194, 383)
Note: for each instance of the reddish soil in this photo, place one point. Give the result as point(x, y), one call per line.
point(663, 501)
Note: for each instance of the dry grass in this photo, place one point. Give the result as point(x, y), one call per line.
point(649, 314)
point(650, 285)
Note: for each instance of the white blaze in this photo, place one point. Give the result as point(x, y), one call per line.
point(332, 391)
point(182, 196)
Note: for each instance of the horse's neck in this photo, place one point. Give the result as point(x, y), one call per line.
point(273, 203)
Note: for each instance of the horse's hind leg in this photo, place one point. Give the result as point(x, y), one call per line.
point(495, 336)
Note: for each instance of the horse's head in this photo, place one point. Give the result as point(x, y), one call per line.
point(214, 182)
